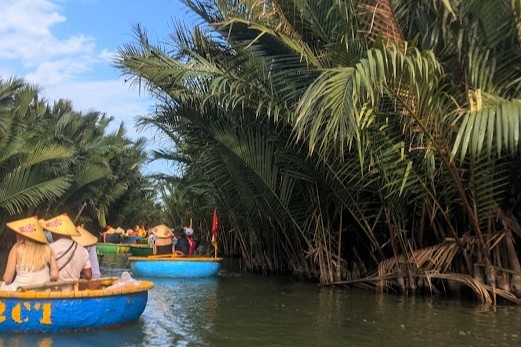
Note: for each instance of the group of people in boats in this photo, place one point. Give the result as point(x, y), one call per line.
point(161, 238)
point(178, 240)
point(50, 250)
point(112, 235)
point(57, 250)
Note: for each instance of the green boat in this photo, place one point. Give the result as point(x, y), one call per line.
point(141, 250)
point(112, 248)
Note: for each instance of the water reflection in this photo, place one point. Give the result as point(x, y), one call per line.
point(133, 336)
point(180, 311)
point(114, 264)
point(236, 309)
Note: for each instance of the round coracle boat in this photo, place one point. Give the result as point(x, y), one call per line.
point(112, 248)
point(141, 250)
point(44, 309)
point(174, 266)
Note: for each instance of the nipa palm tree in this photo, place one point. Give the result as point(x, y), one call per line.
point(352, 135)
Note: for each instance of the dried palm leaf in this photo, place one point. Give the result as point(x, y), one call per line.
point(438, 257)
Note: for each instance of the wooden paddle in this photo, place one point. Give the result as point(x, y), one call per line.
point(48, 285)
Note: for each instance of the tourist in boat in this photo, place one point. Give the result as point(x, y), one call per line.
point(151, 238)
point(120, 231)
point(31, 260)
point(111, 236)
point(163, 240)
point(141, 231)
point(192, 244)
point(186, 244)
point(87, 240)
point(71, 257)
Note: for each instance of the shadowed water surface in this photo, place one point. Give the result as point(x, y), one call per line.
point(236, 309)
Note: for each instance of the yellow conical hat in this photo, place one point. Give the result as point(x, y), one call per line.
point(85, 239)
point(162, 231)
point(62, 225)
point(120, 230)
point(111, 231)
point(29, 227)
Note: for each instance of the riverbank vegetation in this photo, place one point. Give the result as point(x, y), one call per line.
point(369, 142)
point(54, 160)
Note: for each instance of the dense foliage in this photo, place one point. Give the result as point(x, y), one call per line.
point(55, 160)
point(349, 140)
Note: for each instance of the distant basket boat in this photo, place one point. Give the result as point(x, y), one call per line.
point(75, 310)
point(141, 250)
point(112, 248)
point(173, 266)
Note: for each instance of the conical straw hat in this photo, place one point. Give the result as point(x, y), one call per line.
point(111, 231)
point(29, 227)
point(120, 230)
point(62, 225)
point(85, 239)
point(162, 231)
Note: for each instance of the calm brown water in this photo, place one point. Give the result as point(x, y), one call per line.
point(236, 309)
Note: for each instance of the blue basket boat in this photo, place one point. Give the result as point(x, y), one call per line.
point(173, 266)
point(74, 310)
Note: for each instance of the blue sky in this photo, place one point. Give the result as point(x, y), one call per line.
point(67, 48)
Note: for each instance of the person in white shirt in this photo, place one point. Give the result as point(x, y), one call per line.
point(71, 257)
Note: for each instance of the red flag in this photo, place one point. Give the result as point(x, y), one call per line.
point(215, 223)
point(215, 228)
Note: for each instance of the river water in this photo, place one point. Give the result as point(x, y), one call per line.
point(239, 309)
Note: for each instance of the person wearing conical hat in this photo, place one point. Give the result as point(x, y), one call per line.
point(162, 243)
point(111, 236)
point(31, 260)
point(87, 240)
point(72, 258)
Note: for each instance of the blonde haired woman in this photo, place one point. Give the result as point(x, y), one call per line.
point(31, 260)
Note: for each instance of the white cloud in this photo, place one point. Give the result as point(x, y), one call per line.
point(63, 67)
point(57, 71)
point(107, 56)
point(112, 97)
point(25, 28)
